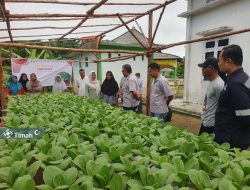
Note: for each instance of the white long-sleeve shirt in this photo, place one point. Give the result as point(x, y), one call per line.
point(80, 86)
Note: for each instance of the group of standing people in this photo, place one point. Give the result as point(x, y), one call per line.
point(130, 90)
point(94, 89)
point(227, 101)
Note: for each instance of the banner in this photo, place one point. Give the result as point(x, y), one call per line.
point(45, 69)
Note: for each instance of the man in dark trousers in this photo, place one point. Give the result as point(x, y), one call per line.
point(232, 118)
point(210, 70)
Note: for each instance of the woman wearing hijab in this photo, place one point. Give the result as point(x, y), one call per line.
point(14, 87)
point(109, 89)
point(93, 87)
point(59, 85)
point(34, 85)
point(23, 80)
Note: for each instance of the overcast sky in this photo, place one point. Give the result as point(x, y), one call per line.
point(172, 28)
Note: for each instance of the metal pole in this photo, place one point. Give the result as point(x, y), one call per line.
point(150, 36)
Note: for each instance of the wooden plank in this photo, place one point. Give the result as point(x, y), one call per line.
point(58, 28)
point(2, 88)
point(150, 33)
point(22, 45)
point(46, 15)
point(76, 3)
point(42, 35)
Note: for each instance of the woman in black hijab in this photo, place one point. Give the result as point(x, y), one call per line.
point(23, 80)
point(109, 89)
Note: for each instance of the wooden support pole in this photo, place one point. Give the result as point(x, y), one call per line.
point(75, 3)
point(10, 52)
point(150, 33)
point(22, 45)
point(42, 35)
point(7, 13)
point(113, 59)
point(2, 89)
point(60, 28)
point(46, 19)
point(98, 42)
point(46, 15)
point(57, 19)
point(98, 57)
point(130, 31)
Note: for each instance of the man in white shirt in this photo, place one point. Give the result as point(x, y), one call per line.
point(140, 82)
point(81, 83)
point(131, 95)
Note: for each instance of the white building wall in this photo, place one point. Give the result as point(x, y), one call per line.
point(138, 66)
point(88, 67)
point(198, 3)
point(233, 14)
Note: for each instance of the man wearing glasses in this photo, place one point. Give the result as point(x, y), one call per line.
point(130, 90)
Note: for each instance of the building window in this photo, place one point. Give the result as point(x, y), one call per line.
point(142, 57)
point(214, 47)
point(210, 44)
point(209, 54)
point(109, 55)
point(223, 42)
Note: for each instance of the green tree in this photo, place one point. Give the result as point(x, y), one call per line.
point(180, 68)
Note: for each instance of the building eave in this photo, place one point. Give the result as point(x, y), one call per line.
point(207, 7)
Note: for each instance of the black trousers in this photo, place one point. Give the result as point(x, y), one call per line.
point(135, 109)
point(240, 146)
point(204, 129)
point(140, 107)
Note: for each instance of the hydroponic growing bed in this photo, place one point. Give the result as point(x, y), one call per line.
point(91, 145)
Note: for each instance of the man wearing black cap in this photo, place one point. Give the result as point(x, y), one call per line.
point(232, 117)
point(210, 71)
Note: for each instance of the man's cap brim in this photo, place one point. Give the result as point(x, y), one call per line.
point(201, 65)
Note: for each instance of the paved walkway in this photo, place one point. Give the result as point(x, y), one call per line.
point(185, 107)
